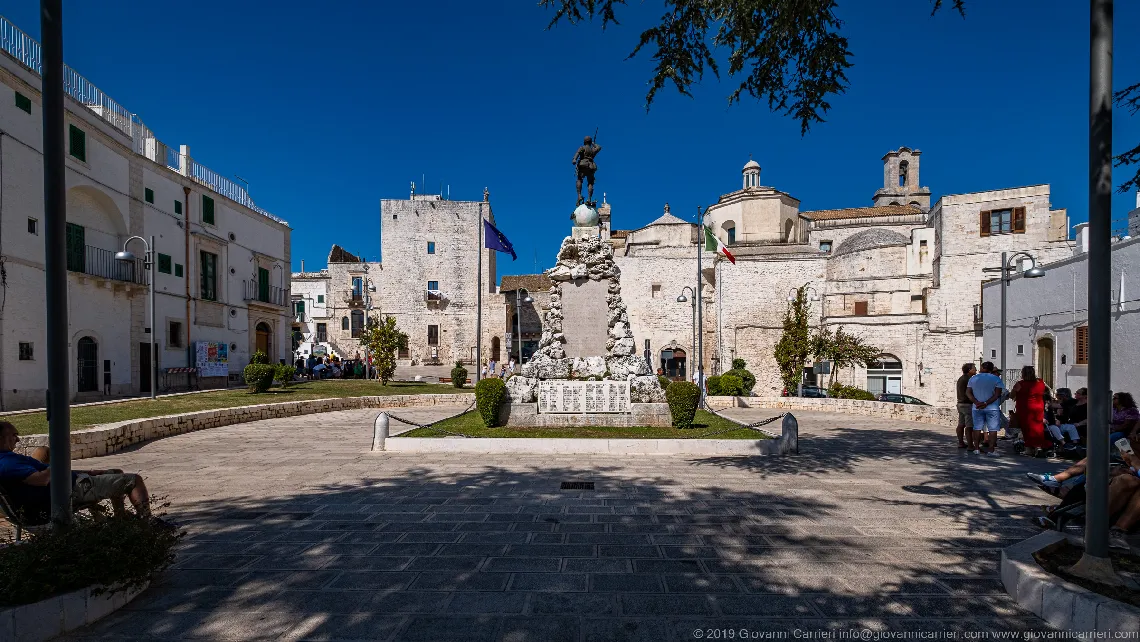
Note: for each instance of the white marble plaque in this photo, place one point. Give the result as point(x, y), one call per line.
point(583, 396)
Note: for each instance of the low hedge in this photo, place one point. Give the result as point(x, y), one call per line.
point(712, 386)
point(731, 385)
point(284, 373)
point(259, 376)
point(747, 379)
point(119, 553)
point(840, 391)
point(664, 381)
point(458, 375)
point(683, 398)
point(489, 396)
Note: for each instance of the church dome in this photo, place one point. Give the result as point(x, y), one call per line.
point(751, 164)
point(871, 239)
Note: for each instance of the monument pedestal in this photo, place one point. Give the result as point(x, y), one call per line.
point(526, 415)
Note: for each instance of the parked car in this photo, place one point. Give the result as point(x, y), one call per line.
point(896, 398)
point(809, 391)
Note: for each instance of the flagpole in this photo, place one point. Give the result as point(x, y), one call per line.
point(479, 303)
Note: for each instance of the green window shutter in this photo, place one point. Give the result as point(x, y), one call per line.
point(177, 207)
point(320, 298)
point(23, 102)
point(148, 195)
point(209, 275)
point(164, 263)
point(263, 285)
point(207, 210)
point(178, 270)
point(76, 247)
point(78, 140)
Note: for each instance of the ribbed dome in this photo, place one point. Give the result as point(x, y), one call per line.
point(870, 240)
point(751, 165)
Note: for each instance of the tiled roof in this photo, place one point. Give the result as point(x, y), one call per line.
point(532, 282)
point(667, 219)
point(862, 212)
point(619, 234)
point(339, 255)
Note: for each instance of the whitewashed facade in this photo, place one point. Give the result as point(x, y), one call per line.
point(223, 264)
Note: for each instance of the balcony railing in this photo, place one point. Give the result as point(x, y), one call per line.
point(270, 294)
point(434, 297)
point(102, 263)
point(27, 51)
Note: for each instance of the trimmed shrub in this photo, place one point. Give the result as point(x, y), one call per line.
point(458, 375)
point(840, 391)
point(713, 387)
point(118, 553)
point(664, 382)
point(747, 378)
point(731, 385)
point(258, 357)
point(489, 396)
point(284, 373)
point(738, 364)
point(259, 376)
point(683, 397)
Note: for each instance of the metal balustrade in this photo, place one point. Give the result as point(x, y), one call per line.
point(26, 50)
point(102, 263)
point(269, 294)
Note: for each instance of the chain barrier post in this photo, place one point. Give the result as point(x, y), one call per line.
point(380, 431)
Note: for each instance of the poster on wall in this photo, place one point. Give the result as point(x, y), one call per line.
point(212, 359)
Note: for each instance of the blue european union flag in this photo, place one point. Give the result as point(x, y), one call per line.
point(496, 240)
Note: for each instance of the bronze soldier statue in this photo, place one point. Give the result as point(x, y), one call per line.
point(585, 165)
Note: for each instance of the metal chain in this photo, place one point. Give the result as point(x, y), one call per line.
point(432, 425)
point(753, 426)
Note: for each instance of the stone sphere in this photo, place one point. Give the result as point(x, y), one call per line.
point(585, 216)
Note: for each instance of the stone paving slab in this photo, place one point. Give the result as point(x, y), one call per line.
point(296, 532)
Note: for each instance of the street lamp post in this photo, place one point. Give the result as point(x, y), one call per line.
point(148, 264)
point(518, 316)
point(1006, 268)
point(681, 298)
point(794, 294)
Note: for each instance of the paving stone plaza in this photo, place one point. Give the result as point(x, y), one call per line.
point(296, 532)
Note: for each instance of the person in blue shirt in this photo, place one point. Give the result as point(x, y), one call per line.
point(25, 482)
point(985, 391)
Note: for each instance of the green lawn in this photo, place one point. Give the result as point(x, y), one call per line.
point(34, 423)
point(705, 423)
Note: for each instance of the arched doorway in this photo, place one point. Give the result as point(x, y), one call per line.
point(1045, 360)
point(673, 363)
point(884, 374)
point(265, 340)
point(88, 365)
point(495, 349)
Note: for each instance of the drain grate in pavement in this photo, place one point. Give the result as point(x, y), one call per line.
point(577, 486)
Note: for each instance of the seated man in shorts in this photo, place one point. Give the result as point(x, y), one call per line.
point(25, 482)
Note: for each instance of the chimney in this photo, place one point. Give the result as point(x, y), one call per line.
point(302, 266)
point(1082, 245)
point(184, 152)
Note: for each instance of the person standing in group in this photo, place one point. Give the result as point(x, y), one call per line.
point(965, 427)
point(985, 391)
point(492, 367)
point(1029, 409)
point(484, 370)
point(511, 366)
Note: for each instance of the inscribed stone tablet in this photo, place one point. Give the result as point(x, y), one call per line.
point(585, 318)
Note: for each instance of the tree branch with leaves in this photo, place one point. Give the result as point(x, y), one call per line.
point(794, 345)
point(842, 349)
point(382, 340)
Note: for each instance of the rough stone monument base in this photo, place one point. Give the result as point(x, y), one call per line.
point(526, 415)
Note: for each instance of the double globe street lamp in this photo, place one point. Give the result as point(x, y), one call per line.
point(1006, 270)
point(148, 263)
point(681, 298)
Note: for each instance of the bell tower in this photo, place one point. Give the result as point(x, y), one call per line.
point(751, 174)
point(900, 181)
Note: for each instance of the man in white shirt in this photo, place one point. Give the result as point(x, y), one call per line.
point(985, 392)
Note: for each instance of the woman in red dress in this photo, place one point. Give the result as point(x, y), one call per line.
point(1029, 396)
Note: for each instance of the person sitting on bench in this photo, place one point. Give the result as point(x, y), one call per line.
point(25, 482)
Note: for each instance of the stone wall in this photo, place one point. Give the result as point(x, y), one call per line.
point(924, 414)
point(113, 437)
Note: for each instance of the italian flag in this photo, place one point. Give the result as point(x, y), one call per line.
point(713, 244)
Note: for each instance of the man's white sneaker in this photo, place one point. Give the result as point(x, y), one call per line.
point(1044, 479)
point(1117, 540)
point(993, 453)
point(977, 452)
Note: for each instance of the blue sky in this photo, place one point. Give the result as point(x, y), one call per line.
point(327, 110)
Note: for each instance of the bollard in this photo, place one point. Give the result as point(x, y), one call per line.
point(380, 431)
point(790, 435)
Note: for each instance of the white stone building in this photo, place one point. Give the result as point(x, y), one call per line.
point(222, 262)
point(331, 307)
point(1047, 319)
point(902, 274)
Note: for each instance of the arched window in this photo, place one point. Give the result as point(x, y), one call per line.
point(87, 354)
point(729, 228)
point(884, 375)
point(903, 167)
point(264, 341)
point(357, 323)
point(673, 362)
point(914, 203)
point(344, 323)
